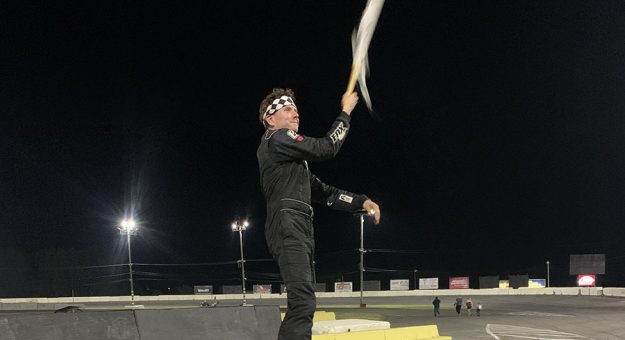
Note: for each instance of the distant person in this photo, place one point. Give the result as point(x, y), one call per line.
point(469, 304)
point(458, 305)
point(437, 306)
point(479, 308)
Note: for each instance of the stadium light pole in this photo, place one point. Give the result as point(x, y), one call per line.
point(239, 226)
point(548, 278)
point(129, 227)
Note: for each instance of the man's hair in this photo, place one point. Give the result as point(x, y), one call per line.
point(273, 95)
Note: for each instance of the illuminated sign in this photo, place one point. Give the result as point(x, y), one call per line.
point(459, 282)
point(586, 280)
point(203, 289)
point(536, 283)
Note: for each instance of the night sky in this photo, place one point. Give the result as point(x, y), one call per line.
point(500, 143)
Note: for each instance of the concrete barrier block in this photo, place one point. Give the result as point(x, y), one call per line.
point(222, 323)
point(76, 326)
point(614, 291)
point(348, 325)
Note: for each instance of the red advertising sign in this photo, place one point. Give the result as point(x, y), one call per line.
point(586, 280)
point(461, 282)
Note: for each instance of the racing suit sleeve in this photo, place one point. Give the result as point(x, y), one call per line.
point(333, 197)
point(288, 145)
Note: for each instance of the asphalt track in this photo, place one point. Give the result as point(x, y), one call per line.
point(503, 317)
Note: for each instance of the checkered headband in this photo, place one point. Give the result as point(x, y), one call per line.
point(277, 104)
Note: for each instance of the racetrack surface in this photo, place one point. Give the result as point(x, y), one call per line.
point(503, 317)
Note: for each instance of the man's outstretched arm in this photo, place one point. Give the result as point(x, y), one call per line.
point(341, 199)
point(289, 145)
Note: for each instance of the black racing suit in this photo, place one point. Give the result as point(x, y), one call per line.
point(290, 188)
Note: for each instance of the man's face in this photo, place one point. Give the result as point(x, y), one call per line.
point(286, 117)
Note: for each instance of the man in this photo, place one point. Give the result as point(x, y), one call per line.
point(437, 306)
point(469, 304)
point(289, 189)
point(458, 305)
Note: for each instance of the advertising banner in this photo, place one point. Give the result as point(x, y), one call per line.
point(400, 284)
point(262, 289)
point(586, 280)
point(200, 290)
point(428, 283)
point(460, 282)
point(536, 283)
point(340, 287)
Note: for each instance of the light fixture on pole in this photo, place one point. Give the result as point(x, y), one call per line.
point(129, 227)
point(361, 214)
point(548, 278)
point(239, 226)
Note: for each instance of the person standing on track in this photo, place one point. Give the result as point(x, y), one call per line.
point(458, 305)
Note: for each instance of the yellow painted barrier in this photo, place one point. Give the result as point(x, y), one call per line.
point(324, 337)
point(414, 333)
point(367, 335)
point(324, 316)
point(429, 332)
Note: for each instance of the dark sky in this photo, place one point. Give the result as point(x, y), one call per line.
point(501, 142)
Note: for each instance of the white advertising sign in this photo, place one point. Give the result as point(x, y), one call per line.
point(342, 287)
point(428, 283)
point(400, 284)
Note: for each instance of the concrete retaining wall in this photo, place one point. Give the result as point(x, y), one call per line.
point(56, 303)
point(614, 292)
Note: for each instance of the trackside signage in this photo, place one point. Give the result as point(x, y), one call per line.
point(342, 287)
point(199, 290)
point(459, 282)
point(586, 280)
point(428, 283)
point(400, 284)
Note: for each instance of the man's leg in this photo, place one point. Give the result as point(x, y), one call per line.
point(301, 303)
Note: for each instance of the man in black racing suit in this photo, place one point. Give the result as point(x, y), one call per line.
point(289, 189)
